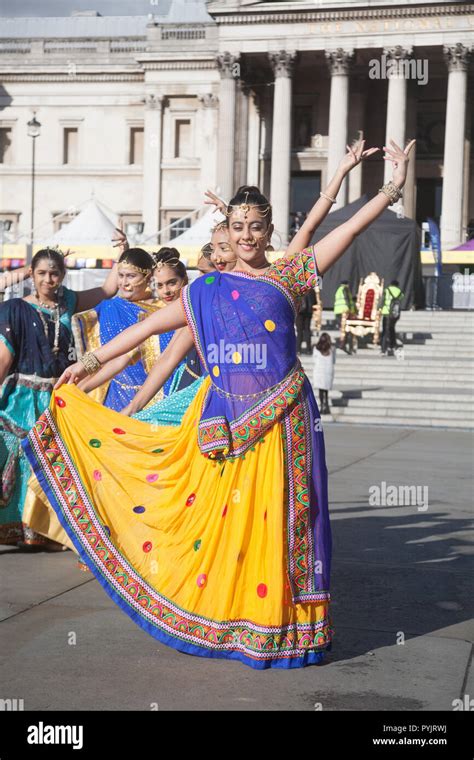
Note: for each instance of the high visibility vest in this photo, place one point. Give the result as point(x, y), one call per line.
point(390, 293)
point(343, 300)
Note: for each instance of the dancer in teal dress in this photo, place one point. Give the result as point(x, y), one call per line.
point(36, 345)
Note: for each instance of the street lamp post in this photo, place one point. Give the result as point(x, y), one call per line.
point(34, 128)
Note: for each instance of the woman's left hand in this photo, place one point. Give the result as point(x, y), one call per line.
point(399, 159)
point(72, 374)
point(355, 154)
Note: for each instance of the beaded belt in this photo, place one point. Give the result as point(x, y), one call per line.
point(242, 396)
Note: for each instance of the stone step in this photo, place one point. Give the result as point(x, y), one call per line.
point(397, 420)
point(395, 369)
point(433, 362)
point(456, 409)
point(388, 381)
point(403, 395)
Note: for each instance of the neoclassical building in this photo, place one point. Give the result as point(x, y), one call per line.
point(146, 112)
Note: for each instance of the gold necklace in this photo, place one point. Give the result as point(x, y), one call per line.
point(55, 309)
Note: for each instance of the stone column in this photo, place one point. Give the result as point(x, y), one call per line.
point(229, 71)
point(241, 134)
point(282, 63)
point(208, 134)
point(338, 62)
point(357, 114)
point(152, 163)
point(396, 100)
point(409, 191)
point(452, 201)
point(253, 142)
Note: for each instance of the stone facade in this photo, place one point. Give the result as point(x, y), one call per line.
point(230, 92)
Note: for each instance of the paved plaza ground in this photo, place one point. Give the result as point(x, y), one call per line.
point(399, 573)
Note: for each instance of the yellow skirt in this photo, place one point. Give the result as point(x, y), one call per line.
point(195, 551)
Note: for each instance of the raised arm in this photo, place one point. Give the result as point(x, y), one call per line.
point(106, 373)
point(159, 322)
point(333, 245)
point(321, 208)
point(87, 299)
point(173, 354)
point(15, 276)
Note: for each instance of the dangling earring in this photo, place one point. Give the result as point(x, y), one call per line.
point(60, 291)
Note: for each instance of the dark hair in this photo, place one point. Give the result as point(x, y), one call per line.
point(251, 195)
point(206, 250)
point(138, 257)
point(324, 344)
point(170, 257)
point(394, 282)
point(52, 255)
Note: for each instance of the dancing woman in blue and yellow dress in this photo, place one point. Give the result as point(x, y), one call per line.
point(217, 544)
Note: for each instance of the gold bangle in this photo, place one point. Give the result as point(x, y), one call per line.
point(90, 363)
point(392, 192)
point(328, 197)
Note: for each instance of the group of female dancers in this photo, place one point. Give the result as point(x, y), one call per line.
point(181, 456)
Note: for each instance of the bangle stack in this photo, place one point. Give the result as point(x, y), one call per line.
point(328, 197)
point(392, 192)
point(90, 363)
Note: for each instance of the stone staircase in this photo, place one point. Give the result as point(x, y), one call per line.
point(429, 383)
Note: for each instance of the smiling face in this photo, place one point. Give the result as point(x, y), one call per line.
point(249, 235)
point(133, 285)
point(222, 256)
point(47, 278)
point(168, 283)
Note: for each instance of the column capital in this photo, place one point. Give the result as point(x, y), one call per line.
point(208, 100)
point(153, 101)
point(339, 60)
point(398, 52)
point(456, 56)
point(228, 65)
point(282, 62)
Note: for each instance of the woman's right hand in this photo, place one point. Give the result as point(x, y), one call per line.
point(127, 410)
point(72, 374)
point(119, 239)
point(214, 200)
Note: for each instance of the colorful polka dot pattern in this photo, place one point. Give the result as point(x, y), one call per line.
point(262, 590)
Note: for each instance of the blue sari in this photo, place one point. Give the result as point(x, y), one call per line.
point(25, 394)
point(95, 327)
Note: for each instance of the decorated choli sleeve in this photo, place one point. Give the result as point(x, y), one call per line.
point(297, 272)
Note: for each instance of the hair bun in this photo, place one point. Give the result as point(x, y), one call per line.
point(166, 254)
point(249, 189)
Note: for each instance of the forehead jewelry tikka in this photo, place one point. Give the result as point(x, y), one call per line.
point(129, 264)
point(262, 208)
